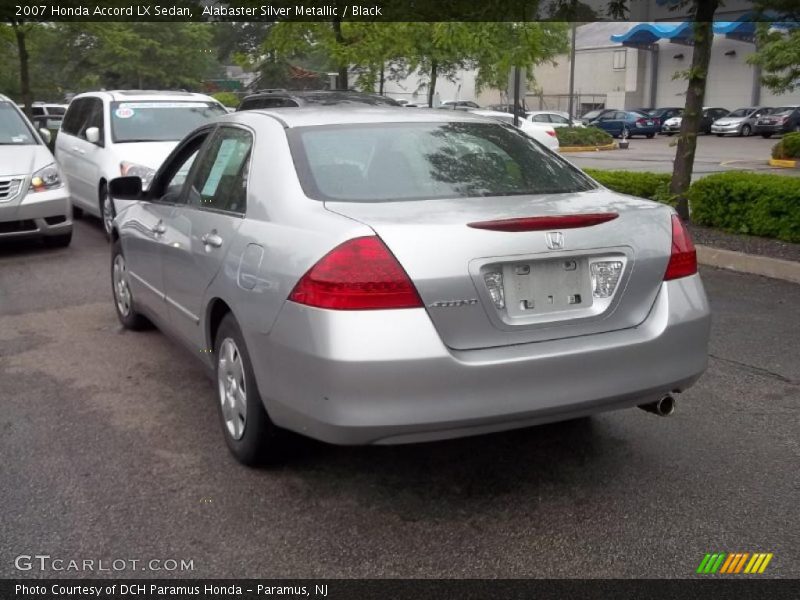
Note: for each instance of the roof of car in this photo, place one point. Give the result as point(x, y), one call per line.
point(121, 95)
point(341, 115)
point(4, 98)
point(321, 97)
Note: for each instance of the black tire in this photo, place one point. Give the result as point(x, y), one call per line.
point(650, 136)
point(105, 198)
point(746, 130)
point(260, 442)
point(766, 136)
point(58, 241)
point(720, 134)
point(77, 213)
point(131, 320)
point(669, 133)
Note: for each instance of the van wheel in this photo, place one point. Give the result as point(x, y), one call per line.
point(107, 210)
point(249, 433)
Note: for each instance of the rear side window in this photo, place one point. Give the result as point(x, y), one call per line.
point(220, 179)
point(421, 161)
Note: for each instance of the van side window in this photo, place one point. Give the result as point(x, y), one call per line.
point(76, 116)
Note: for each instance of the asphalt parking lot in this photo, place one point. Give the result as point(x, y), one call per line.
point(714, 154)
point(111, 449)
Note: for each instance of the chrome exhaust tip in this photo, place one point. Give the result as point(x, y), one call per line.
point(663, 407)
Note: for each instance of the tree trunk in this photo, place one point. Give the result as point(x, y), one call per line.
point(383, 79)
point(432, 86)
point(341, 80)
point(693, 111)
point(24, 74)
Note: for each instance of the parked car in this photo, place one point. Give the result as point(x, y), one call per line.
point(739, 122)
point(381, 276)
point(34, 201)
point(780, 120)
point(108, 134)
point(44, 109)
point(280, 98)
point(555, 119)
point(710, 114)
point(544, 133)
point(466, 104)
point(592, 115)
point(662, 114)
point(626, 123)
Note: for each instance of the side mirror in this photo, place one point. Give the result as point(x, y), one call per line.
point(125, 188)
point(93, 135)
point(45, 133)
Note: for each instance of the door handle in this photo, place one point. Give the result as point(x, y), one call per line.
point(211, 239)
point(159, 228)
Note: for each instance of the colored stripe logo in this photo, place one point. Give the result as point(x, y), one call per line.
point(734, 563)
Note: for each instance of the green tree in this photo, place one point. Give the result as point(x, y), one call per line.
point(778, 52)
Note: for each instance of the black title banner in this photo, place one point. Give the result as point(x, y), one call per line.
point(369, 10)
point(396, 589)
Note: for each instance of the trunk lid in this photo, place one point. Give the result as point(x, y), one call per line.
point(548, 291)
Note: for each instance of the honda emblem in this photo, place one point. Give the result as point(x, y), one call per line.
point(555, 240)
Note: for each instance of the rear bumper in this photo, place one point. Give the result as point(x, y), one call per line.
point(386, 377)
point(774, 129)
point(37, 215)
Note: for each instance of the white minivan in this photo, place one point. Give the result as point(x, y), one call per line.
point(117, 133)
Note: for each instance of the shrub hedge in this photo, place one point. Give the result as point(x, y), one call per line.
point(582, 136)
point(751, 203)
point(788, 148)
point(227, 99)
point(653, 186)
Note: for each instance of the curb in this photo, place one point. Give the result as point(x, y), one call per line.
point(784, 164)
point(775, 268)
point(611, 146)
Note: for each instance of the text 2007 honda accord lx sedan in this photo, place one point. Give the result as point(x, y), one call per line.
point(381, 276)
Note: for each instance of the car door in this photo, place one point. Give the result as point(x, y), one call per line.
point(88, 157)
point(200, 231)
point(66, 145)
point(142, 227)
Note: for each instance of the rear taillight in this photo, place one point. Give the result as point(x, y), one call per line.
point(683, 258)
point(550, 132)
point(545, 223)
point(360, 274)
point(641, 121)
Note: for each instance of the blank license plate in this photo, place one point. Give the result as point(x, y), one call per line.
point(545, 286)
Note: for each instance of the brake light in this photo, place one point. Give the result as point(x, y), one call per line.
point(683, 258)
point(545, 223)
point(641, 121)
point(551, 132)
point(360, 274)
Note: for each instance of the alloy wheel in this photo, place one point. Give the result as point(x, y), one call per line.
point(122, 292)
point(108, 213)
point(232, 388)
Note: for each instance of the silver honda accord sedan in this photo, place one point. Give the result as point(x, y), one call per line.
point(384, 276)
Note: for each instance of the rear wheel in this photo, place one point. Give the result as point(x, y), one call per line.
point(720, 134)
point(746, 130)
point(58, 241)
point(650, 136)
point(123, 298)
point(248, 431)
point(766, 136)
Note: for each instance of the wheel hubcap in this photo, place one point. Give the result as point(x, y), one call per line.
point(232, 388)
point(108, 214)
point(122, 293)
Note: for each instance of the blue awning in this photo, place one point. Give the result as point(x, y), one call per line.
point(650, 33)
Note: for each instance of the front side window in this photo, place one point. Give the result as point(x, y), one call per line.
point(14, 131)
point(220, 179)
point(159, 121)
point(421, 161)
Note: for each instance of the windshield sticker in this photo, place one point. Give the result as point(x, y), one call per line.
point(135, 105)
point(18, 139)
point(124, 113)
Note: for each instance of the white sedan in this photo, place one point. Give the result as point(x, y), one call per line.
point(543, 133)
point(551, 117)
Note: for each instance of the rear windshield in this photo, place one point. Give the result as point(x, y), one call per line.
point(422, 161)
point(741, 112)
point(784, 110)
point(14, 131)
point(159, 121)
point(56, 110)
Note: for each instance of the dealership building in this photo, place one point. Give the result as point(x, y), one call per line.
point(636, 65)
